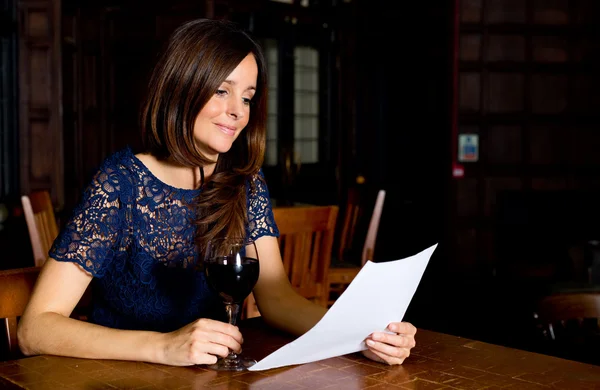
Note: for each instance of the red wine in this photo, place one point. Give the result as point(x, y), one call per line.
point(232, 281)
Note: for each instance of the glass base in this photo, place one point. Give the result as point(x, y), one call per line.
point(236, 364)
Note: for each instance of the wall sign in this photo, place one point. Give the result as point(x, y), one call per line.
point(468, 147)
point(457, 170)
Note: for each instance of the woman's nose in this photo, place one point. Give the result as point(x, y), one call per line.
point(235, 109)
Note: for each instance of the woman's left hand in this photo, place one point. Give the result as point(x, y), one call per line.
point(391, 348)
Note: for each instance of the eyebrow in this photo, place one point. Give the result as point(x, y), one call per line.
point(232, 82)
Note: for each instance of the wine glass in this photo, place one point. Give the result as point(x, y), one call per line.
point(231, 268)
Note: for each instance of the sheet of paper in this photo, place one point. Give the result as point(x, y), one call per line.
point(380, 294)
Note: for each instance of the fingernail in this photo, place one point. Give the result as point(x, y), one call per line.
point(370, 342)
point(393, 327)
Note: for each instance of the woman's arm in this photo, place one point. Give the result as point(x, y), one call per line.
point(283, 308)
point(45, 328)
point(277, 300)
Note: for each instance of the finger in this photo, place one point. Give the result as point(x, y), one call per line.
point(371, 355)
point(387, 349)
point(221, 327)
point(219, 339)
point(226, 340)
point(202, 348)
point(204, 358)
point(397, 340)
point(403, 328)
point(382, 357)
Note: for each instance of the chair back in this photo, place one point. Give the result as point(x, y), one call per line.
point(369, 247)
point(306, 241)
point(342, 273)
point(16, 286)
point(570, 324)
point(557, 308)
point(352, 215)
point(353, 227)
point(41, 223)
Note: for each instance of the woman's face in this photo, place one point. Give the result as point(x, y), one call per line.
point(226, 114)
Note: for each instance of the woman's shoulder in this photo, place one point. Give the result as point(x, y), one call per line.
point(257, 189)
point(256, 181)
point(120, 170)
point(120, 157)
point(123, 162)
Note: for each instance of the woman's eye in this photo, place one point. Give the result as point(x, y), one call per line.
point(247, 101)
point(221, 92)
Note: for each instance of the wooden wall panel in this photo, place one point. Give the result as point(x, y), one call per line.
point(494, 185)
point(38, 23)
point(40, 127)
point(466, 258)
point(586, 146)
point(506, 47)
point(585, 95)
point(470, 11)
point(109, 52)
point(470, 91)
point(550, 49)
point(503, 145)
point(531, 91)
point(549, 183)
point(504, 93)
point(547, 144)
point(470, 47)
point(505, 11)
point(553, 12)
point(548, 93)
point(467, 199)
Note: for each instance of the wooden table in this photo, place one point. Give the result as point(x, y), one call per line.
point(439, 361)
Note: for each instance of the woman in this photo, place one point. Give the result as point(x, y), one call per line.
point(137, 231)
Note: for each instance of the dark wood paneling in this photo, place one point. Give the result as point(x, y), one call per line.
point(40, 92)
point(9, 132)
point(528, 76)
point(109, 52)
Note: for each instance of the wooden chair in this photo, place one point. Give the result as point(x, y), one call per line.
point(341, 275)
point(570, 325)
point(353, 213)
point(305, 241)
point(41, 223)
point(16, 287)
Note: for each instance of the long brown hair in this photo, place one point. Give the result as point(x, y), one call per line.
point(198, 57)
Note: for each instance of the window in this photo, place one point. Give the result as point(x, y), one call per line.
point(270, 47)
point(306, 104)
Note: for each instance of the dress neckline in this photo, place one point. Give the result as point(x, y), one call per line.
point(146, 170)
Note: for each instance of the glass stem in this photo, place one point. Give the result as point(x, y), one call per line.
point(232, 313)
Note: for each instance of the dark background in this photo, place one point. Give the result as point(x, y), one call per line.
point(400, 81)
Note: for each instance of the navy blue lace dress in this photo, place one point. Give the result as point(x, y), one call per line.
point(135, 235)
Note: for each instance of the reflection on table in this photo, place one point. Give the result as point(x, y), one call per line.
point(439, 361)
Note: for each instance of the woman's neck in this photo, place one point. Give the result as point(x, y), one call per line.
point(174, 174)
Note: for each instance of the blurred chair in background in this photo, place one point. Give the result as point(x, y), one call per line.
point(306, 242)
point(569, 325)
point(16, 286)
point(41, 223)
point(342, 272)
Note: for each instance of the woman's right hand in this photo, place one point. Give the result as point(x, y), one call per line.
point(201, 342)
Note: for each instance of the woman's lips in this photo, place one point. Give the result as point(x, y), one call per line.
point(227, 130)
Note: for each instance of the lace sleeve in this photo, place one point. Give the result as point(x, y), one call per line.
point(260, 213)
point(91, 235)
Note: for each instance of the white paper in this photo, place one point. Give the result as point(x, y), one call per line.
point(378, 295)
